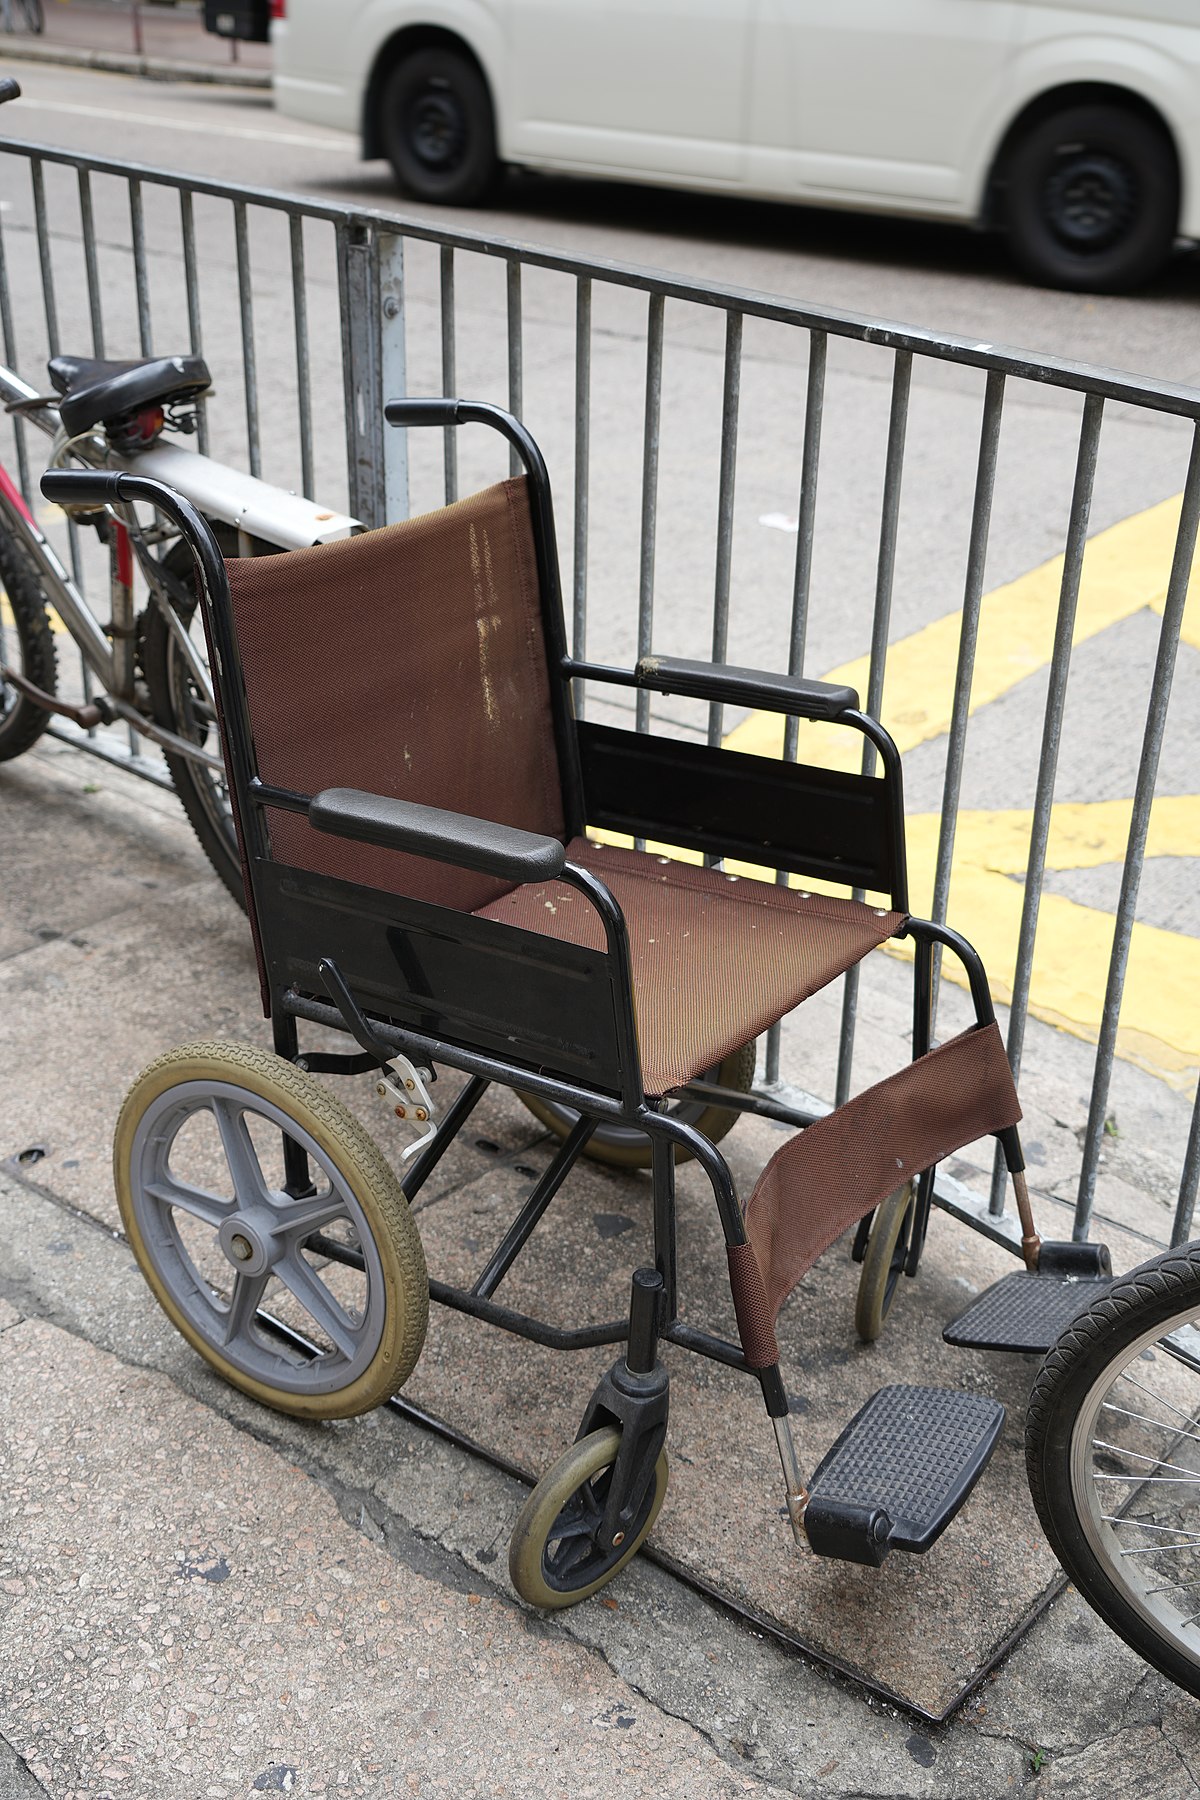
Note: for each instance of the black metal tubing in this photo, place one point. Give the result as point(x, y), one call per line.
point(522, 1227)
point(666, 1236)
point(552, 1337)
point(927, 930)
point(758, 1104)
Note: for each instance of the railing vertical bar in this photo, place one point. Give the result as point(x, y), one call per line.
point(303, 387)
point(1060, 664)
point(449, 371)
point(87, 223)
point(968, 639)
point(1189, 1182)
point(806, 521)
point(191, 280)
point(885, 571)
point(650, 433)
point(141, 282)
point(1139, 828)
point(583, 431)
point(726, 489)
point(37, 177)
point(10, 358)
point(515, 366)
point(246, 306)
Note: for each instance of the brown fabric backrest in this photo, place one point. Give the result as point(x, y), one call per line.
point(408, 662)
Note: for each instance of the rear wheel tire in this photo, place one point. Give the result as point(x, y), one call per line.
point(218, 1236)
point(625, 1147)
point(883, 1263)
point(438, 127)
point(1092, 199)
point(29, 635)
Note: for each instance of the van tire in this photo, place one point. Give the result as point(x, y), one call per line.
point(1092, 199)
point(438, 129)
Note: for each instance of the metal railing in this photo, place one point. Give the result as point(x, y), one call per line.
point(640, 383)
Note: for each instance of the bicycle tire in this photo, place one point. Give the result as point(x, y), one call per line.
point(1123, 1577)
point(21, 721)
point(175, 704)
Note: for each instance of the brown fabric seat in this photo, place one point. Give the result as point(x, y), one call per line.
point(716, 959)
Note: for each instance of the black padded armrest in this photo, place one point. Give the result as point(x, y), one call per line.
point(746, 687)
point(449, 837)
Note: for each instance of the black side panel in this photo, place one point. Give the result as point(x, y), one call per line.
point(472, 982)
point(817, 822)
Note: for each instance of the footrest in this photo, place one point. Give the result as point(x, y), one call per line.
point(1024, 1312)
point(899, 1472)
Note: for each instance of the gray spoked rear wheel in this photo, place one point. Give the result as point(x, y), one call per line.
point(198, 1163)
point(1113, 1453)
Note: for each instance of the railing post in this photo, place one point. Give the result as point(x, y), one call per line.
point(371, 281)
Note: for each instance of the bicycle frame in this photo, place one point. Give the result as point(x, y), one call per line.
point(260, 514)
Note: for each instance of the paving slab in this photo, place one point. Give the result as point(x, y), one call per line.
point(165, 956)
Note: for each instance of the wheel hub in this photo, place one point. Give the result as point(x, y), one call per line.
point(437, 129)
point(1090, 200)
point(248, 1242)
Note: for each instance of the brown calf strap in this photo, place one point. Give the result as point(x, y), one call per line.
point(834, 1172)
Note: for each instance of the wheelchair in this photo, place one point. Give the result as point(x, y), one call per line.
point(413, 800)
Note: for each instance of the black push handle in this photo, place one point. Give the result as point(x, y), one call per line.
point(9, 89)
point(85, 487)
point(429, 411)
point(422, 412)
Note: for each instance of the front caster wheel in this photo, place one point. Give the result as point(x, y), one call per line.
point(555, 1557)
point(224, 1237)
point(883, 1264)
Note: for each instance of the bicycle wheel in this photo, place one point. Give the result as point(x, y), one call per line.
point(184, 704)
point(1112, 1450)
point(26, 646)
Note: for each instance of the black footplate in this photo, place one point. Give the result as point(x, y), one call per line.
point(899, 1472)
point(1027, 1312)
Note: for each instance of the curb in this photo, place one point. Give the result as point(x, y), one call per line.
point(150, 68)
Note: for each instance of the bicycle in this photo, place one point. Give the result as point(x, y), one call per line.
point(148, 668)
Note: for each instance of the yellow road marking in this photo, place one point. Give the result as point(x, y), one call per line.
point(1125, 571)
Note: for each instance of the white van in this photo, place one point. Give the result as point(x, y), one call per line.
point(1072, 124)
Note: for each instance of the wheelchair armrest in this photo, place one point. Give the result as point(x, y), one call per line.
point(450, 837)
point(746, 687)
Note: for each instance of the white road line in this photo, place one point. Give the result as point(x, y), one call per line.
point(206, 127)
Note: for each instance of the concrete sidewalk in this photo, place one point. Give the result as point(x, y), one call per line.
point(202, 1598)
point(161, 43)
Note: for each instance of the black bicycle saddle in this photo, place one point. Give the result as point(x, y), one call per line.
point(93, 389)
